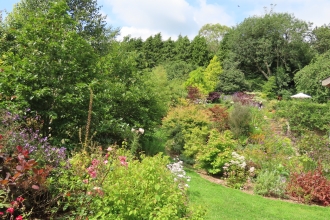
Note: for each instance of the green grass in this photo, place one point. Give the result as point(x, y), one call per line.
point(225, 203)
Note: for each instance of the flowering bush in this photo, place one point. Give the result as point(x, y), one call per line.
point(216, 152)
point(237, 172)
point(179, 174)
point(110, 185)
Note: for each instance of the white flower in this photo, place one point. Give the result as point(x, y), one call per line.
point(141, 130)
point(251, 170)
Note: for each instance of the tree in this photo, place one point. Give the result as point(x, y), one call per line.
point(276, 40)
point(232, 79)
point(321, 38)
point(212, 73)
point(309, 79)
point(182, 49)
point(213, 33)
point(50, 68)
point(199, 53)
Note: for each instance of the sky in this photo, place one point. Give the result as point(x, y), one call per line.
point(144, 18)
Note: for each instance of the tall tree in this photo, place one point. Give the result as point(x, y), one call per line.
point(182, 49)
point(275, 40)
point(199, 51)
point(321, 38)
point(50, 67)
point(213, 34)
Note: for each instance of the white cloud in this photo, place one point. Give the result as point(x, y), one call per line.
point(170, 17)
point(143, 18)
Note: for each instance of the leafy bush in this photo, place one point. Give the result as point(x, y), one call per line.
point(213, 97)
point(237, 172)
point(315, 147)
point(115, 186)
point(270, 183)
point(310, 187)
point(216, 152)
point(304, 115)
point(220, 117)
point(239, 120)
point(180, 122)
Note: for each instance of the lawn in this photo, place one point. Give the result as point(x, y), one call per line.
point(226, 203)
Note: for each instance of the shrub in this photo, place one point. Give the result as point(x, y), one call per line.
point(310, 187)
point(216, 152)
point(315, 147)
point(114, 186)
point(219, 117)
point(304, 115)
point(239, 120)
point(270, 183)
point(237, 172)
point(213, 97)
point(179, 123)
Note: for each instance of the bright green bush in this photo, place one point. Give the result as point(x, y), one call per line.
point(114, 186)
point(216, 152)
point(180, 123)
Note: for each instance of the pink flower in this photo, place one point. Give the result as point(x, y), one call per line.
point(122, 160)
point(10, 210)
point(93, 174)
point(85, 181)
point(105, 162)
point(1, 213)
point(20, 199)
point(109, 149)
point(95, 162)
point(19, 217)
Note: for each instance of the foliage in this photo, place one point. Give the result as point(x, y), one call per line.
point(270, 183)
point(237, 172)
point(321, 39)
point(232, 79)
point(212, 73)
point(308, 79)
point(127, 189)
point(51, 69)
point(21, 177)
point(213, 97)
point(178, 69)
point(257, 48)
point(239, 120)
point(304, 115)
point(197, 80)
point(205, 79)
point(243, 98)
point(194, 94)
point(216, 152)
point(180, 121)
point(219, 117)
point(200, 55)
point(310, 187)
point(213, 34)
point(315, 147)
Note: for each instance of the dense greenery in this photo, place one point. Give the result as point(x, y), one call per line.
point(87, 119)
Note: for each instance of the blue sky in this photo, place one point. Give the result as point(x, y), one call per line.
point(142, 18)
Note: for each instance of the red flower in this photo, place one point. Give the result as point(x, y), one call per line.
point(20, 199)
point(0, 139)
point(19, 217)
point(10, 210)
